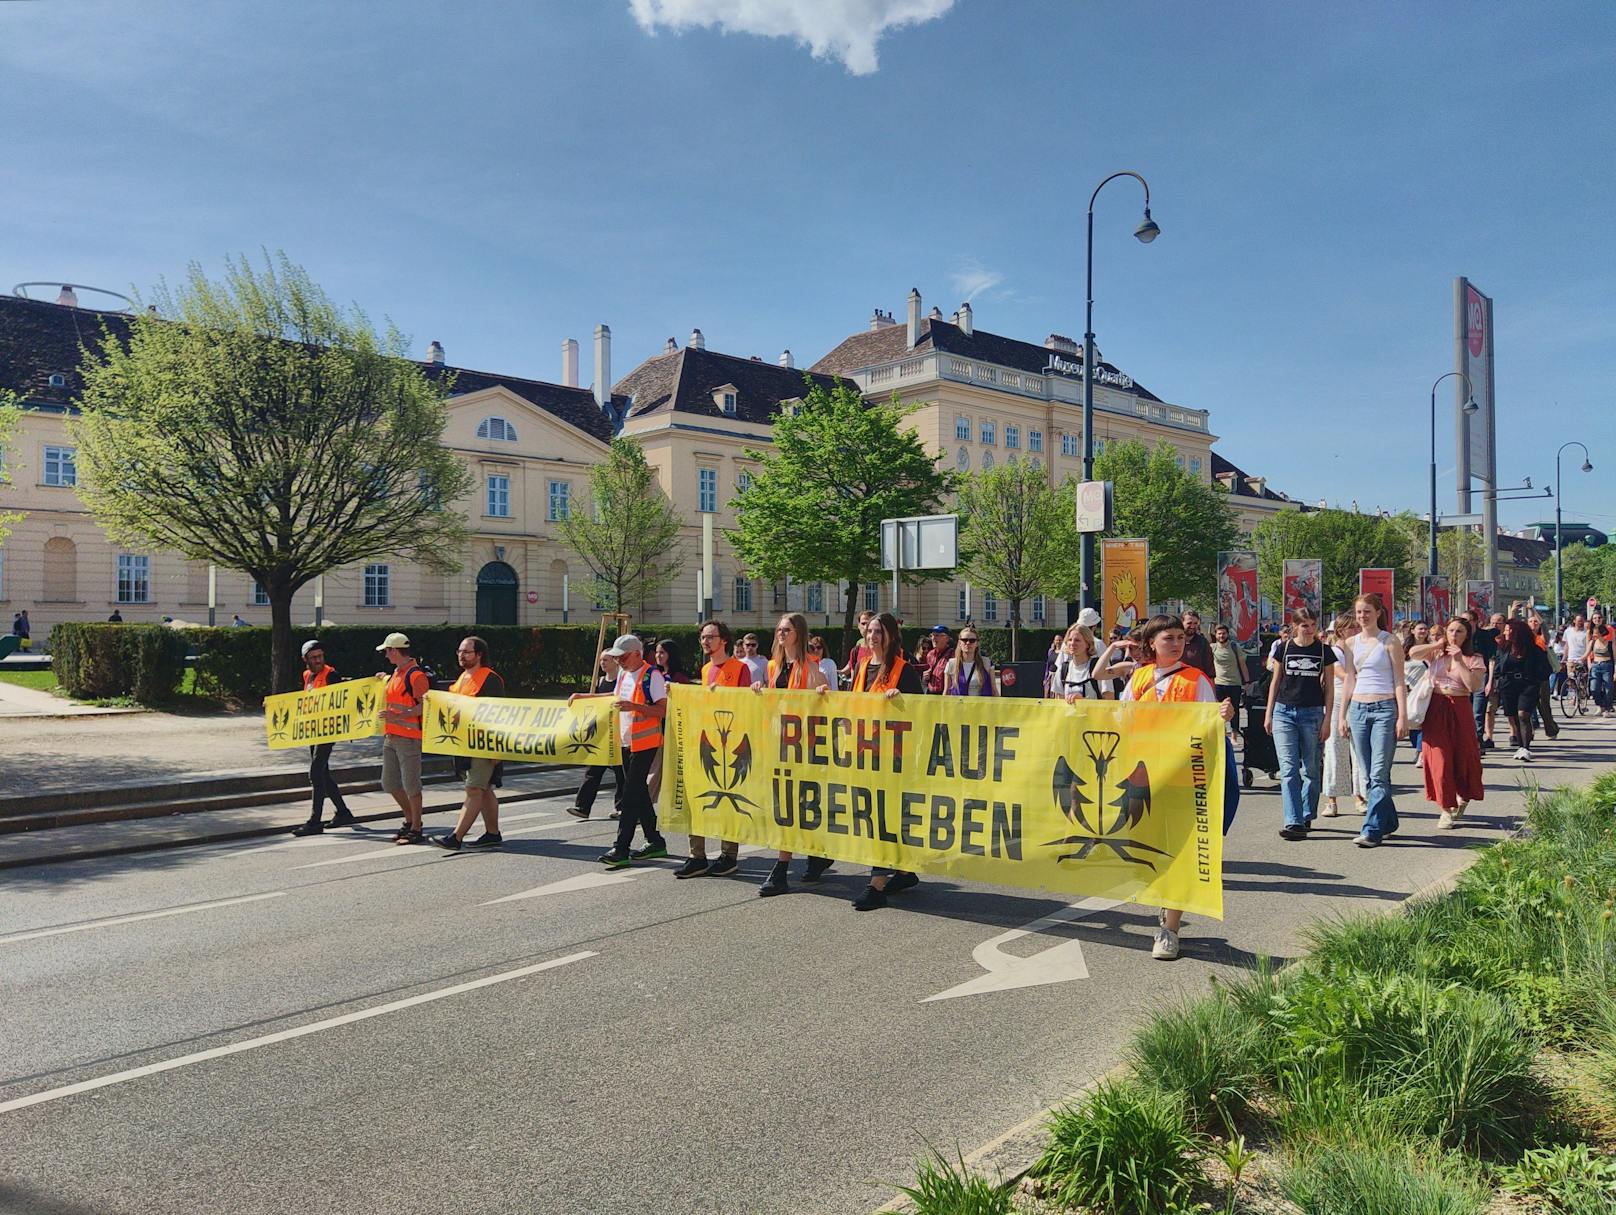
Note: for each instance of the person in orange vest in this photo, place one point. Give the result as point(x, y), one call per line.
point(476, 678)
point(721, 670)
point(584, 802)
point(401, 745)
point(791, 668)
point(884, 670)
point(642, 702)
point(318, 674)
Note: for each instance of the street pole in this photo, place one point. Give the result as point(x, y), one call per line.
point(1559, 498)
point(1469, 407)
point(1146, 232)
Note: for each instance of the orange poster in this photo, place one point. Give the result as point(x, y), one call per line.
point(1124, 583)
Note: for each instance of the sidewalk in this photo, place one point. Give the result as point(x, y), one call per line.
point(18, 701)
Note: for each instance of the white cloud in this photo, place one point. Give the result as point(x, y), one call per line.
point(846, 30)
point(972, 278)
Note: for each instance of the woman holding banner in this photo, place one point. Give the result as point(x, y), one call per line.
point(1448, 734)
point(1377, 713)
point(885, 671)
point(792, 669)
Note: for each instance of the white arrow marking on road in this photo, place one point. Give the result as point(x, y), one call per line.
point(583, 881)
point(405, 849)
point(1057, 964)
point(145, 915)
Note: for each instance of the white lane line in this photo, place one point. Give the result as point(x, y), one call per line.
point(405, 849)
point(131, 919)
point(582, 881)
point(285, 1035)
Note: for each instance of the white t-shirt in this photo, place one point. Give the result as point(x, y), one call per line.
point(1576, 644)
point(625, 691)
point(833, 674)
point(1205, 693)
point(1070, 677)
point(759, 667)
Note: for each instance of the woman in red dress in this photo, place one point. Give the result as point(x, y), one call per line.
point(1448, 735)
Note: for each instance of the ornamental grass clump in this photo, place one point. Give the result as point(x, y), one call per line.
point(942, 1188)
point(1125, 1148)
point(1209, 1053)
point(1381, 1179)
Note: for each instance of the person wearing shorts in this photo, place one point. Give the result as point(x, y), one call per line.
point(401, 746)
point(481, 775)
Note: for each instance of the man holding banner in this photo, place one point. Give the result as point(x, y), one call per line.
point(642, 702)
point(476, 679)
point(401, 720)
point(319, 675)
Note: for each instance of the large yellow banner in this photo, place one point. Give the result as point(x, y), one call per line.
point(336, 713)
point(1098, 798)
point(533, 731)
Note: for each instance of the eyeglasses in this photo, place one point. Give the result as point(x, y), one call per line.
point(967, 640)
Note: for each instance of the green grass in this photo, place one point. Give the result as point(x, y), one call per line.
point(1207, 1051)
point(1381, 1179)
point(1125, 1148)
point(44, 681)
point(1569, 1177)
point(941, 1188)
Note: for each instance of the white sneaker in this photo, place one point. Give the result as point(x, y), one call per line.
point(1166, 947)
point(1329, 810)
point(1525, 755)
point(1419, 762)
point(1445, 821)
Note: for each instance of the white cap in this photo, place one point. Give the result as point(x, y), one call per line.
point(311, 645)
point(628, 643)
point(1089, 618)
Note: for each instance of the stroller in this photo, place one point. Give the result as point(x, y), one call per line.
point(1259, 754)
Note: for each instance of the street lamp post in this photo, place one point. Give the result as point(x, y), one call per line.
point(1559, 499)
point(1470, 406)
point(1146, 232)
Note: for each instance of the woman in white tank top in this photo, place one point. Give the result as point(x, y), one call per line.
point(1377, 715)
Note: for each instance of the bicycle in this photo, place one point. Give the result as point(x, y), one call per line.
point(1574, 691)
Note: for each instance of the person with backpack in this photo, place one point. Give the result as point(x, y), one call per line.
point(401, 722)
point(481, 775)
point(1074, 677)
point(968, 673)
point(641, 697)
point(1301, 707)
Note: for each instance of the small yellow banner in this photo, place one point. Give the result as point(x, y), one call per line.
point(1115, 800)
point(336, 713)
point(1124, 584)
point(532, 731)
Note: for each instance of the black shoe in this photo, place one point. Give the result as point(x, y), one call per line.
point(614, 859)
point(1292, 831)
point(776, 883)
point(816, 867)
point(488, 839)
point(449, 841)
point(1487, 744)
point(401, 833)
point(651, 852)
point(343, 819)
point(724, 866)
point(696, 866)
point(577, 813)
point(410, 835)
point(902, 880)
point(870, 899)
point(312, 827)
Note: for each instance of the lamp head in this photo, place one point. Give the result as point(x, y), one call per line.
point(1470, 405)
point(1147, 230)
point(1587, 466)
point(1527, 484)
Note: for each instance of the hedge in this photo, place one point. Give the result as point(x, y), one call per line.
point(95, 661)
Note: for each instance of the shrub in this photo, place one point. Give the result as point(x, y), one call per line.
point(1125, 1148)
point(942, 1189)
point(1568, 1178)
point(145, 662)
point(1380, 1179)
point(1208, 1052)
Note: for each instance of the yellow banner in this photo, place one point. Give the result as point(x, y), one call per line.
point(1124, 584)
point(336, 713)
point(533, 731)
point(1099, 798)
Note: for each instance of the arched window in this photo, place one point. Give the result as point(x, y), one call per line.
point(496, 428)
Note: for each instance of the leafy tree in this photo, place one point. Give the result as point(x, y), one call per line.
point(260, 427)
point(1584, 572)
point(1011, 536)
point(629, 540)
point(9, 416)
point(1344, 540)
point(1460, 553)
point(838, 467)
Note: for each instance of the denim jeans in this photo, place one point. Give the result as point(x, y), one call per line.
point(1599, 683)
point(1296, 741)
point(1374, 741)
point(1478, 709)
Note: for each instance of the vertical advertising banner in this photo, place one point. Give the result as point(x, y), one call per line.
point(1475, 362)
point(1436, 603)
point(1238, 605)
point(1378, 581)
point(1304, 585)
point(1480, 594)
point(1124, 583)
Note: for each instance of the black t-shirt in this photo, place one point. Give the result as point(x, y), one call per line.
point(909, 681)
point(1485, 643)
point(1300, 669)
point(1533, 667)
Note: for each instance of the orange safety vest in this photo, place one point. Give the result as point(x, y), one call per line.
point(889, 678)
point(1182, 684)
point(799, 675)
point(644, 733)
point(401, 696)
point(470, 683)
point(731, 673)
point(312, 681)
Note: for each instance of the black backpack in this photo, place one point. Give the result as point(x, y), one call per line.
point(409, 687)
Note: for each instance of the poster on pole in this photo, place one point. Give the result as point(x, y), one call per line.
point(1124, 582)
point(1480, 595)
point(1238, 605)
point(1377, 580)
point(1304, 585)
point(1436, 603)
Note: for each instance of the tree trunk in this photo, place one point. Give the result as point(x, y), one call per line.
point(848, 618)
point(1015, 633)
point(283, 655)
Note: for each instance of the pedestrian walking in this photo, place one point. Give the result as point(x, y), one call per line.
point(401, 725)
point(21, 629)
point(318, 673)
point(1448, 738)
point(1485, 703)
point(116, 617)
point(820, 653)
point(791, 669)
point(721, 670)
point(236, 622)
point(885, 672)
point(1229, 673)
point(1540, 638)
point(1078, 674)
point(584, 804)
point(1601, 661)
point(1413, 633)
point(969, 672)
point(1522, 668)
point(481, 775)
point(1377, 713)
point(857, 653)
point(641, 697)
point(1197, 649)
point(1300, 717)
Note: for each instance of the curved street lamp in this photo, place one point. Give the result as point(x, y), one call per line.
point(1146, 232)
point(1559, 498)
point(1470, 407)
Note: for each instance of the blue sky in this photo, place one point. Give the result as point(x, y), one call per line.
point(500, 176)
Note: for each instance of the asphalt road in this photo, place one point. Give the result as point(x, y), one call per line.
point(357, 1028)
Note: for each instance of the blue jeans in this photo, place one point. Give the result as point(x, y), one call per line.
point(1599, 683)
point(1478, 710)
point(1296, 741)
point(1374, 741)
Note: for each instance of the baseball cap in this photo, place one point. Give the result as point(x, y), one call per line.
point(394, 641)
point(628, 643)
point(1089, 618)
point(311, 645)
point(939, 628)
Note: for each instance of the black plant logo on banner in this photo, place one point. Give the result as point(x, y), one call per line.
point(365, 704)
point(448, 725)
point(1085, 805)
point(583, 733)
point(726, 766)
point(278, 719)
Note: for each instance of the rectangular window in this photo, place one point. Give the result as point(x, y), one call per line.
point(61, 467)
point(990, 608)
point(1038, 609)
point(743, 593)
point(988, 429)
point(1035, 440)
point(962, 428)
point(1195, 465)
point(816, 597)
point(743, 482)
point(499, 496)
point(378, 586)
point(872, 596)
point(134, 579)
point(964, 604)
point(260, 595)
point(1099, 447)
point(707, 490)
point(1069, 445)
point(560, 504)
point(1012, 436)
point(1179, 460)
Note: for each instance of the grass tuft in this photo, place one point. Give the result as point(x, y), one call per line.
point(1208, 1052)
point(941, 1188)
point(1381, 1179)
point(1125, 1148)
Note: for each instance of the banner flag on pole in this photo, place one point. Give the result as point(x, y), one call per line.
point(1304, 585)
point(1238, 605)
point(1124, 584)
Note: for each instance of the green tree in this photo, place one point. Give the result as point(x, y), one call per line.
point(629, 539)
point(1186, 521)
point(10, 414)
point(1460, 553)
point(1344, 540)
point(1011, 536)
point(260, 427)
point(838, 467)
point(1584, 573)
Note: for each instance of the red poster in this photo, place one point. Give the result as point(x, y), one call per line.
point(1376, 581)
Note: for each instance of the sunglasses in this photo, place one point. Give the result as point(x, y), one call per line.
point(967, 640)
point(818, 648)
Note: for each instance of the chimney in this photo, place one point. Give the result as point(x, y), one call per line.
point(965, 318)
point(68, 298)
point(875, 320)
point(1060, 342)
point(786, 360)
point(434, 353)
point(603, 367)
point(914, 317)
point(697, 342)
point(936, 313)
point(569, 362)
point(669, 346)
